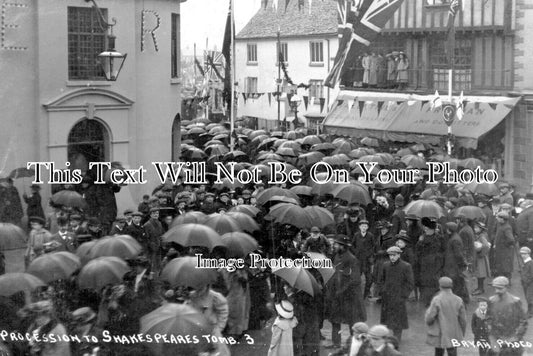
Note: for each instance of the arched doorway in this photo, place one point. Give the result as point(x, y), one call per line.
point(176, 138)
point(88, 141)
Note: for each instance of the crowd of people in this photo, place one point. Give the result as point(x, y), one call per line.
point(379, 253)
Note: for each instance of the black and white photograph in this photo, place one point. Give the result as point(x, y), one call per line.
point(266, 177)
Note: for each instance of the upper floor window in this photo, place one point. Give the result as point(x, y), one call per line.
point(251, 85)
point(316, 89)
point(283, 49)
point(316, 52)
point(462, 78)
point(175, 46)
point(252, 53)
point(86, 40)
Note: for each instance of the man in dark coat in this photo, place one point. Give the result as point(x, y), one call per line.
point(398, 283)
point(455, 262)
point(34, 202)
point(466, 232)
point(10, 203)
point(524, 225)
point(107, 204)
point(136, 230)
point(345, 296)
point(154, 229)
point(363, 249)
point(526, 277)
point(507, 320)
point(504, 246)
point(429, 261)
point(398, 216)
point(384, 240)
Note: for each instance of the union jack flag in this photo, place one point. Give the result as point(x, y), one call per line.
point(359, 24)
point(214, 65)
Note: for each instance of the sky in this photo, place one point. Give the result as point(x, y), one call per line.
point(206, 19)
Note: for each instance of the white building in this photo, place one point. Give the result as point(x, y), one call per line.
point(309, 41)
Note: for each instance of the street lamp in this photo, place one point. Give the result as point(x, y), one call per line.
point(110, 60)
point(294, 103)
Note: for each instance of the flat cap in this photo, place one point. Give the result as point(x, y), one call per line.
point(360, 327)
point(394, 250)
point(525, 249)
point(500, 281)
point(380, 331)
point(445, 282)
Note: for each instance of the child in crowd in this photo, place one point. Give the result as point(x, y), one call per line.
point(281, 343)
point(480, 326)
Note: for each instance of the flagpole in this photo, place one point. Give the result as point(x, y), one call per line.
point(232, 56)
point(208, 83)
point(279, 79)
point(194, 66)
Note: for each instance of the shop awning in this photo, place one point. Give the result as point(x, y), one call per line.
point(413, 118)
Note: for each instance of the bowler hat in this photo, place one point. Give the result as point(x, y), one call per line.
point(364, 222)
point(128, 211)
point(154, 209)
point(137, 213)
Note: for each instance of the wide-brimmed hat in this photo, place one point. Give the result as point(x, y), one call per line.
point(285, 309)
point(343, 240)
point(83, 315)
point(37, 219)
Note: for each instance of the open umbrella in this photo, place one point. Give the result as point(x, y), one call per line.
point(11, 283)
point(358, 153)
point(470, 212)
point(414, 161)
point(54, 266)
point(321, 189)
point(245, 221)
point(191, 217)
point(256, 133)
point(222, 223)
point(370, 142)
point(352, 193)
point(102, 271)
point(311, 140)
point(239, 244)
point(326, 146)
point(285, 213)
point(325, 272)
point(471, 163)
point(183, 271)
point(310, 158)
point(84, 251)
point(299, 278)
point(372, 158)
point(291, 144)
point(483, 188)
point(247, 209)
point(193, 235)
point(269, 156)
point(267, 194)
point(176, 319)
point(226, 183)
point(123, 246)
point(286, 151)
point(302, 190)
point(21, 172)
point(216, 150)
point(424, 209)
point(12, 237)
point(69, 198)
point(321, 217)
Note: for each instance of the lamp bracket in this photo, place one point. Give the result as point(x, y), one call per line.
point(104, 24)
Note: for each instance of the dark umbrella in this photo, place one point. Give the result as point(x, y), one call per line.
point(269, 156)
point(191, 217)
point(69, 198)
point(326, 272)
point(352, 193)
point(102, 271)
point(310, 158)
point(311, 140)
point(245, 221)
point(54, 266)
point(302, 190)
point(193, 235)
point(358, 153)
point(286, 213)
point(472, 163)
point(246, 209)
point(22, 172)
point(321, 189)
point(370, 142)
point(239, 244)
point(424, 209)
point(321, 217)
point(176, 319)
point(11, 283)
point(372, 158)
point(226, 183)
point(84, 251)
point(256, 133)
point(267, 194)
point(123, 246)
point(299, 278)
point(183, 271)
point(470, 212)
point(12, 237)
point(326, 146)
point(222, 223)
point(414, 161)
point(483, 188)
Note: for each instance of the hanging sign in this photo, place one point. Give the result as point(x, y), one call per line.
point(448, 111)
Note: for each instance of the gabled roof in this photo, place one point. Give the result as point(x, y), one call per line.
point(295, 21)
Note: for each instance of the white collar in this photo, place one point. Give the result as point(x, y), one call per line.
point(527, 260)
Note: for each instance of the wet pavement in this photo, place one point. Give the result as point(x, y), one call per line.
point(413, 339)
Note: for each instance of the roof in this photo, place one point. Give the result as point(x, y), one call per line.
point(294, 22)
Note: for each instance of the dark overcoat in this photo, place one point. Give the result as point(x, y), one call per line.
point(526, 276)
point(345, 295)
point(454, 258)
point(398, 282)
point(429, 257)
point(504, 245)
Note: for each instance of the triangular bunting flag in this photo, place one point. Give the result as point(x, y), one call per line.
point(287, 4)
point(322, 102)
point(437, 102)
point(312, 101)
point(460, 113)
point(289, 96)
point(306, 101)
point(380, 105)
point(361, 107)
point(399, 103)
point(244, 97)
point(340, 102)
point(424, 102)
point(350, 104)
point(389, 104)
point(269, 99)
point(493, 106)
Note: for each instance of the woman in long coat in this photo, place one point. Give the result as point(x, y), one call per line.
point(238, 301)
point(366, 67)
point(503, 246)
point(403, 75)
point(373, 70)
point(482, 248)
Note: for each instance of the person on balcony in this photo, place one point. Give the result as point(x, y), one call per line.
point(403, 75)
point(366, 67)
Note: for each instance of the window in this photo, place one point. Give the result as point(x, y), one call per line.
point(462, 73)
point(175, 46)
point(86, 40)
point(251, 85)
point(283, 48)
point(252, 53)
point(317, 52)
point(316, 89)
